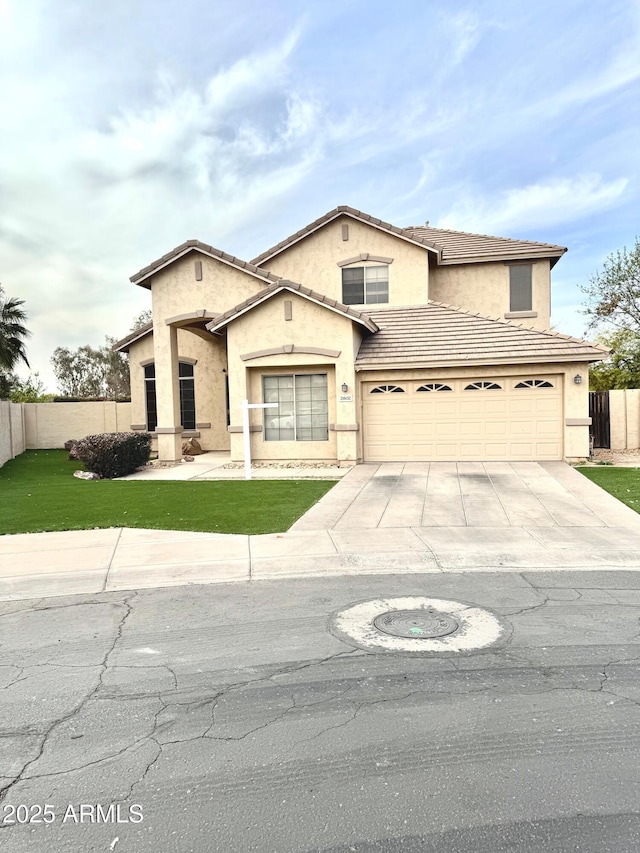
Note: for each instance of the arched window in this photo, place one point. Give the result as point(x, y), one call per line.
point(534, 383)
point(483, 386)
point(434, 386)
point(187, 396)
point(387, 389)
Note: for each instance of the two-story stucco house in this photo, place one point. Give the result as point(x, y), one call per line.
point(375, 342)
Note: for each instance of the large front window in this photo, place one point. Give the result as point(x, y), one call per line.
point(303, 409)
point(187, 396)
point(365, 285)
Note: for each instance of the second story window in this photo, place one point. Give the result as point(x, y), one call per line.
point(365, 285)
point(520, 288)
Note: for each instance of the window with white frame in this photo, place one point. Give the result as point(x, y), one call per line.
point(303, 407)
point(365, 285)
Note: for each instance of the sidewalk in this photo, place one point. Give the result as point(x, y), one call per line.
point(376, 520)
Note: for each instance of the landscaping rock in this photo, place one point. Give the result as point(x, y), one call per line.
point(191, 447)
point(85, 475)
point(187, 459)
point(72, 447)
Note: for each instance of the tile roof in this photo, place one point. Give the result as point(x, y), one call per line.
point(124, 344)
point(463, 247)
point(450, 247)
point(283, 284)
point(188, 246)
point(403, 233)
point(440, 335)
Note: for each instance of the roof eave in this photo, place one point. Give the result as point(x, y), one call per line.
point(553, 256)
point(142, 277)
point(124, 343)
point(394, 364)
point(216, 326)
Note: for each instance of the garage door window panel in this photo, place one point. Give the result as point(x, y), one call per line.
point(483, 386)
point(534, 383)
point(303, 407)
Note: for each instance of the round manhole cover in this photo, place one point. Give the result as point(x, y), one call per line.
point(420, 624)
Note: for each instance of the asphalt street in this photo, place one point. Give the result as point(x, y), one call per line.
point(229, 718)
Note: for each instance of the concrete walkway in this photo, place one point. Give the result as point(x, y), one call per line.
point(405, 517)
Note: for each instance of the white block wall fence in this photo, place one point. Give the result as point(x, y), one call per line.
point(12, 433)
point(40, 426)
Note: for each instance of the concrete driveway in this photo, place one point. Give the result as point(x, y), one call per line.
point(388, 518)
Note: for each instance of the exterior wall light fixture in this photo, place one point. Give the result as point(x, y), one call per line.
point(345, 387)
point(577, 379)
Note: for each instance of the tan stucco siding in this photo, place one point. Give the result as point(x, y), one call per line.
point(484, 289)
point(314, 260)
point(575, 397)
point(209, 384)
point(175, 290)
point(311, 326)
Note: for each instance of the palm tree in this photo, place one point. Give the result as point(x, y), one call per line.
point(13, 332)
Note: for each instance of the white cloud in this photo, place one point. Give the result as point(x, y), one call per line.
point(547, 203)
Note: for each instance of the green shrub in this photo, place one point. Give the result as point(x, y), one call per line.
point(67, 399)
point(114, 454)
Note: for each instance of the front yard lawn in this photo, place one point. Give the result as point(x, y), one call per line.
point(39, 492)
point(622, 483)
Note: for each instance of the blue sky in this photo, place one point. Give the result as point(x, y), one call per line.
point(128, 128)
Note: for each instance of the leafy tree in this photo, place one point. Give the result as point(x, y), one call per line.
point(31, 390)
point(91, 372)
point(95, 371)
point(613, 293)
point(6, 384)
point(142, 319)
point(13, 332)
point(622, 368)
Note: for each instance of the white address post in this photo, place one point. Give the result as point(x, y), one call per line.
point(245, 406)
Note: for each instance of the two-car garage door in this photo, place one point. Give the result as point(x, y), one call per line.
point(506, 418)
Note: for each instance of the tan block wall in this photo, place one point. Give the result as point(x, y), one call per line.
point(576, 397)
point(313, 261)
point(310, 326)
point(484, 289)
point(12, 432)
point(49, 425)
point(624, 419)
point(209, 383)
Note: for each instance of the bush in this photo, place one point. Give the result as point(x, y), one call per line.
point(90, 400)
point(114, 454)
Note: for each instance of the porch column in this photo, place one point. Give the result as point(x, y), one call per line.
point(169, 429)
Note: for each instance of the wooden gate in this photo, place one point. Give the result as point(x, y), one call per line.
point(599, 414)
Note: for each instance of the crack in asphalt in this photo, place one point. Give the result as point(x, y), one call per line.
point(76, 710)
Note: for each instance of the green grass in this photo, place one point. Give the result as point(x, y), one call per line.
point(622, 483)
point(39, 492)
